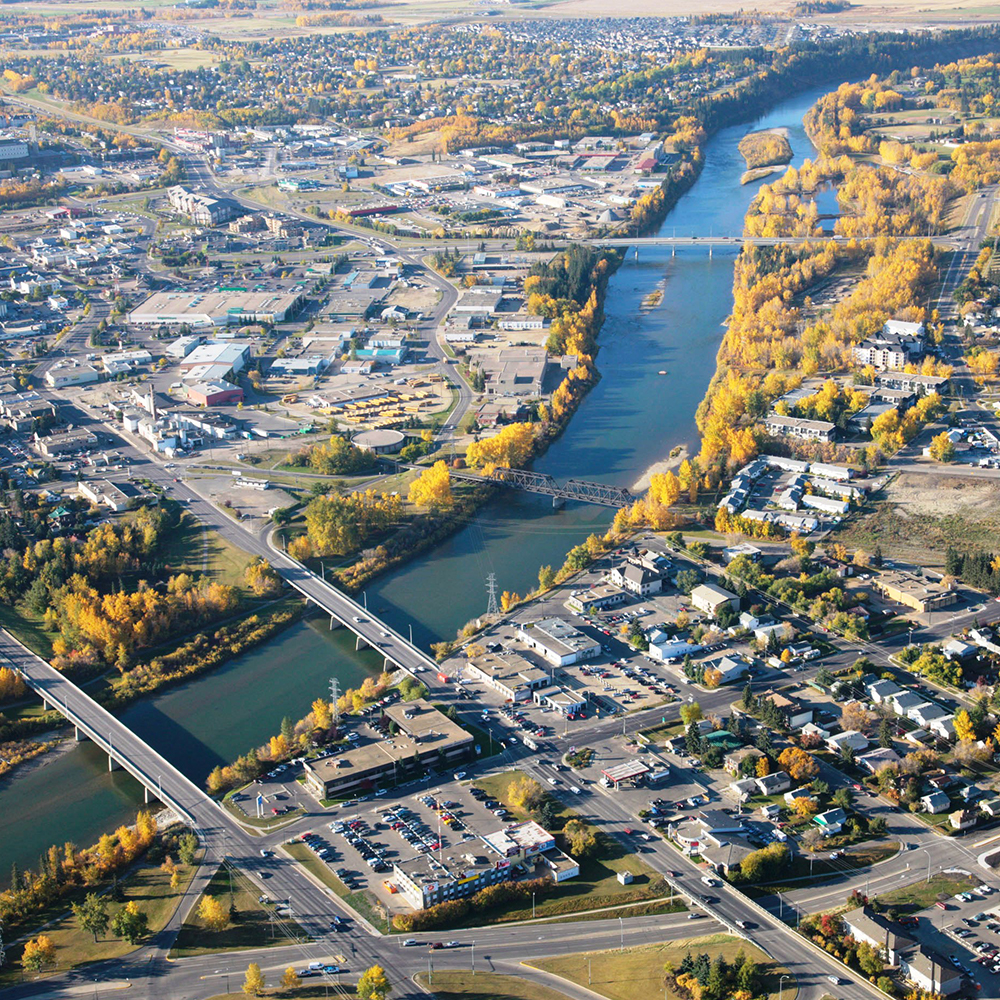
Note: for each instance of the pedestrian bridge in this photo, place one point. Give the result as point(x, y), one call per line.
point(540, 482)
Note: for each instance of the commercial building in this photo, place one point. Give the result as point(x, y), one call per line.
point(224, 307)
point(66, 443)
point(428, 879)
point(425, 738)
point(929, 971)
point(527, 842)
point(232, 356)
point(711, 599)
point(214, 393)
point(597, 598)
point(424, 881)
point(922, 595)
point(636, 579)
point(60, 378)
point(510, 674)
point(200, 209)
point(558, 641)
point(114, 496)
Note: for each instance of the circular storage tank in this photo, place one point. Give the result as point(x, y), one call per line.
point(380, 442)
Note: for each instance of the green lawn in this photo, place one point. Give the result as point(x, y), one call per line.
point(147, 885)
point(920, 895)
point(484, 986)
point(27, 627)
point(800, 871)
point(252, 926)
point(597, 885)
point(190, 548)
point(638, 972)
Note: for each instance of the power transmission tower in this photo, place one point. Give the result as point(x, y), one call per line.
point(334, 698)
point(491, 587)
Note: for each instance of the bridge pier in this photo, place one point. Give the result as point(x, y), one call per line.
point(79, 736)
point(334, 623)
point(113, 765)
point(358, 643)
point(673, 251)
point(558, 502)
point(710, 251)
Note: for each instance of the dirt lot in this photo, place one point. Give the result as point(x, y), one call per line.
point(921, 516)
point(421, 300)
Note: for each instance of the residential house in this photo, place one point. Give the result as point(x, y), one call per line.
point(772, 784)
point(881, 691)
point(879, 759)
point(935, 802)
point(831, 822)
point(849, 740)
point(962, 819)
point(734, 760)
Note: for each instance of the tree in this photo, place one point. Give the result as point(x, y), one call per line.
point(546, 578)
point(800, 765)
point(581, 838)
point(855, 716)
point(253, 984)
point(39, 953)
point(692, 739)
point(289, 978)
point(942, 448)
point(92, 914)
point(187, 848)
point(843, 797)
point(373, 984)
point(432, 488)
point(261, 577)
point(690, 713)
point(213, 914)
point(524, 793)
point(964, 729)
point(885, 734)
point(322, 713)
point(130, 923)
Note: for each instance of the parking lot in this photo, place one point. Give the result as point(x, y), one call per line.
point(965, 930)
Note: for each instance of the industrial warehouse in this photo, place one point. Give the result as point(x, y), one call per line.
point(212, 309)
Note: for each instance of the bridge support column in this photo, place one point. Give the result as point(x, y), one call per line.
point(113, 765)
point(710, 252)
point(148, 796)
point(673, 251)
point(558, 502)
point(358, 643)
point(79, 736)
point(334, 623)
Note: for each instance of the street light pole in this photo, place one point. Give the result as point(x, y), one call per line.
point(621, 928)
point(781, 987)
point(532, 906)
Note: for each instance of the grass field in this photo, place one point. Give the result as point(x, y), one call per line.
point(638, 972)
point(148, 886)
point(597, 885)
point(252, 926)
point(194, 549)
point(484, 986)
point(920, 895)
point(27, 628)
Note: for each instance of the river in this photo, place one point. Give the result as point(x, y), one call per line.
point(630, 420)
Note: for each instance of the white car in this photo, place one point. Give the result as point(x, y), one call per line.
point(708, 881)
point(459, 775)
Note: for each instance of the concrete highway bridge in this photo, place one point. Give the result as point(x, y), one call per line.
point(739, 241)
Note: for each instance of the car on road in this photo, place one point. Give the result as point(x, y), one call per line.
point(834, 979)
point(410, 942)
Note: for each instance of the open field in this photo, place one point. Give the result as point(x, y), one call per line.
point(194, 549)
point(920, 895)
point(638, 972)
point(147, 885)
point(484, 986)
point(252, 926)
point(921, 516)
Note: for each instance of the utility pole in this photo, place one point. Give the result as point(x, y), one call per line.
point(491, 589)
point(334, 698)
